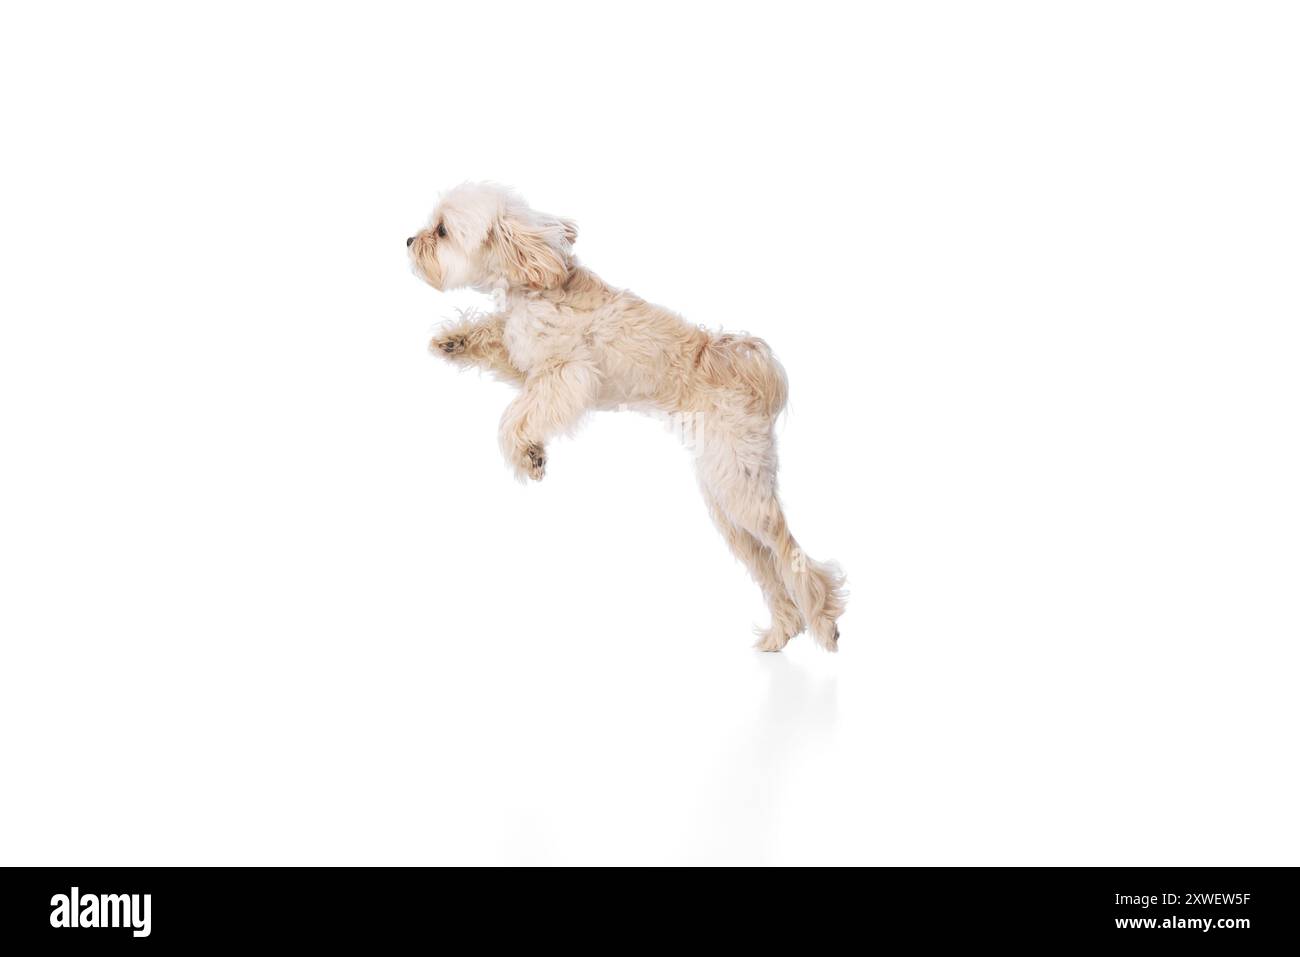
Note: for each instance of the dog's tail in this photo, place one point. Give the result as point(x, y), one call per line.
point(728, 360)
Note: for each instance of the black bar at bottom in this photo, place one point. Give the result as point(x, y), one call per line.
point(379, 908)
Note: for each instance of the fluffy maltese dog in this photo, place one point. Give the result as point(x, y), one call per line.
point(571, 344)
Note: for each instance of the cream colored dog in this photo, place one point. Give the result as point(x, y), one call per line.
point(571, 343)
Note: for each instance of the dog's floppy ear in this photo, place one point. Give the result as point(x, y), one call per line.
point(534, 254)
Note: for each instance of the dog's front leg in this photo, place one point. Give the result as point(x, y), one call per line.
point(553, 400)
point(477, 342)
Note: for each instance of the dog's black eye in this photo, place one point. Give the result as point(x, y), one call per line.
point(442, 231)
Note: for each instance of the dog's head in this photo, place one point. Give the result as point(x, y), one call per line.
point(483, 235)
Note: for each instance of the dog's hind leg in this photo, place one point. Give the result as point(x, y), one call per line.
point(817, 588)
point(738, 467)
point(554, 398)
point(786, 620)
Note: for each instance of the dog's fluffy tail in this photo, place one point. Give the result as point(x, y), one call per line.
point(729, 360)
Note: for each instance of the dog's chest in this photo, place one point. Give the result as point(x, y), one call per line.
point(535, 330)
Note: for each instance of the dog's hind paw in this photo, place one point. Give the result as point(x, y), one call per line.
point(771, 639)
point(826, 633)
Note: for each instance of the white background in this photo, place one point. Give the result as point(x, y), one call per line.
point(271, 596)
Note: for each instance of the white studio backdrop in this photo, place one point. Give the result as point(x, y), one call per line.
point(271, 596)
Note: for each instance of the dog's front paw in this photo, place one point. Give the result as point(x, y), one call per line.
point(450, 346)
point(534, 462)
point(527, 460)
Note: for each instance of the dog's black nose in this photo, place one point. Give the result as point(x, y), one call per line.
point(409, 240)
